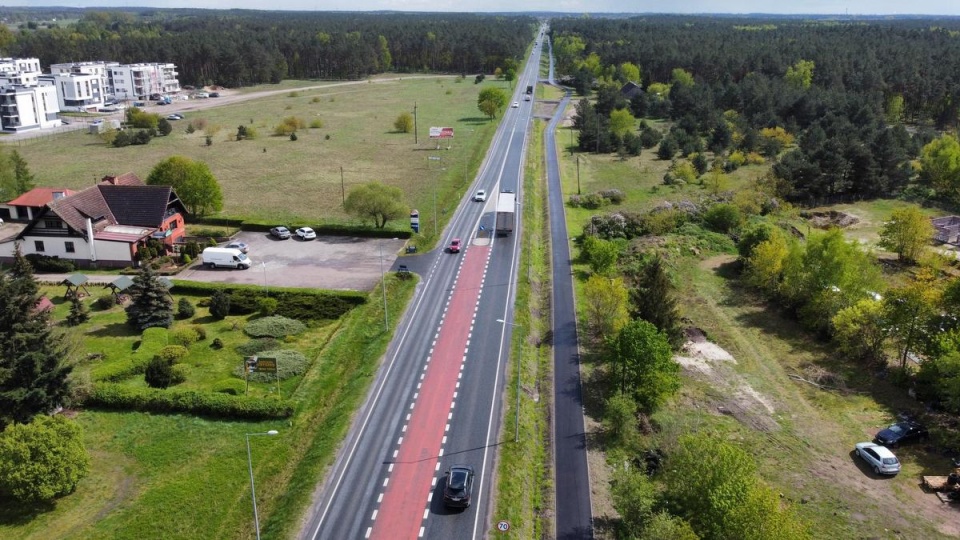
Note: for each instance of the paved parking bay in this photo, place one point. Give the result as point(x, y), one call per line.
point(329, 262)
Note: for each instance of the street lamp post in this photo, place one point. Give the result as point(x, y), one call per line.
point(253, 491)
point(516, 433)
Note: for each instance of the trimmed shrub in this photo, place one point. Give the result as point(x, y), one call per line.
point(220, 304)
point(173, 353)
point(126, 398)
point(184, 335)
point(300, 304)
point(105, 301)
point(118, 371)
point(200, 330)
point(159, 373)
point(178, 375)
point(255, 346)
point(46, 263)
point(232, 387)
point(152, 340)
point(275, 326)
point(289, 364)
point(267, 306)
point(185, 309)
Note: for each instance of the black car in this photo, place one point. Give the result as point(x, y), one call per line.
point(457, 491)
point(902, 432)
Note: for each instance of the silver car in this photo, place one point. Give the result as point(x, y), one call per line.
point(280, 232)
point(879, 458)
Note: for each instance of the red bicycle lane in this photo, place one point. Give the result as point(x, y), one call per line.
point(407, 488)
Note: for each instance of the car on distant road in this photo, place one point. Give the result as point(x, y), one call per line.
point(459, 487)
point(454, 246)
point(214, 94)
point(242, 246)
point(902, 432)
point(97, 121)
point(526, 97)
point(306, 233)
point(175, 117)
point(280, 232)
point(879, 458)
point(515, 104)
point(480, 195)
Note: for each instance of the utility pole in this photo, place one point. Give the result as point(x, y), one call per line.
point(578, 175)
point(415, 139)
point(343, 191)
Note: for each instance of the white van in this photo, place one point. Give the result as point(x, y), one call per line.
point(225, 257)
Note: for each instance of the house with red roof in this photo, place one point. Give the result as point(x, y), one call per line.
point(104, 225)
point(27, 206)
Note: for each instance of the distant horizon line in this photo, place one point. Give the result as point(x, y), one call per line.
point(542, 12)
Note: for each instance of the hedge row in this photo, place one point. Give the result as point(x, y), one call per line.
point(300, 304)
point(126, 398)
point(118, 371)
point(330, 229)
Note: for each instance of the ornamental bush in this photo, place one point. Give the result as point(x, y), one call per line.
point(184, 335)
point(185, 309)
point(275, 327)
point(173, 353)
point(42, 460)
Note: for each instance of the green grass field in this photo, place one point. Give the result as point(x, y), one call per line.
point(275, 179)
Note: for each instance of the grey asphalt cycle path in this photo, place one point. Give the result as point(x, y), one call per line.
point(574, 513)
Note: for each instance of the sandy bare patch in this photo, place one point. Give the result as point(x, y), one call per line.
point(711, 363)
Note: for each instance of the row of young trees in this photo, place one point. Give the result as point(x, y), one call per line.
point(851, 134)
point(237, 48)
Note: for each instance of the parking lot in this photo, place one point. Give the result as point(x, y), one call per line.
point(329, 262)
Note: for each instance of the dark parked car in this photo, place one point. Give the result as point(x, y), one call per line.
point(459, 487)
point(902, 432)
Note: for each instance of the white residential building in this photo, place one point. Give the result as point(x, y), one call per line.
point(28, 107)
point(140, 81)
point(77, 91)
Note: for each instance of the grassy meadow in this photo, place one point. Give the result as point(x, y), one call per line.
point(272, 178)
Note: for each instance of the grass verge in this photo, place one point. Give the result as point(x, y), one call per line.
point(523, 480)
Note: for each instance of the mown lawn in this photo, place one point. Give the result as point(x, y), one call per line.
point(275, 179)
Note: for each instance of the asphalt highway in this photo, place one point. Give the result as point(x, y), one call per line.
point(436, 400)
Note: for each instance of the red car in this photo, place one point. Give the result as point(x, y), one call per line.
point(454, 246)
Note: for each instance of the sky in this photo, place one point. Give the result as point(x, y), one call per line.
point(850, 7)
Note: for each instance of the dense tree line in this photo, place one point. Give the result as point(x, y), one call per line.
point(860, 99)
point(236, 48)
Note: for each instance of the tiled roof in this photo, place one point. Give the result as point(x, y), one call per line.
point(75, 210)
point(37, 197)
point(140, 205)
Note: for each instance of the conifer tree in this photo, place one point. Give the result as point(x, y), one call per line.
point(220, 304)
point(654, 301)
point(78, 312)
point(151, 303)
point(33, 374)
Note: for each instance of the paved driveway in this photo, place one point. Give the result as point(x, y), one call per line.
point(329, 262)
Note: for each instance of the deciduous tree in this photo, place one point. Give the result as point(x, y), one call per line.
point(193, 182)
point(606, 305)
point(377, 202)
point(491, 100)
point(643, 366)
point(906, 233)
point(403, 123)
